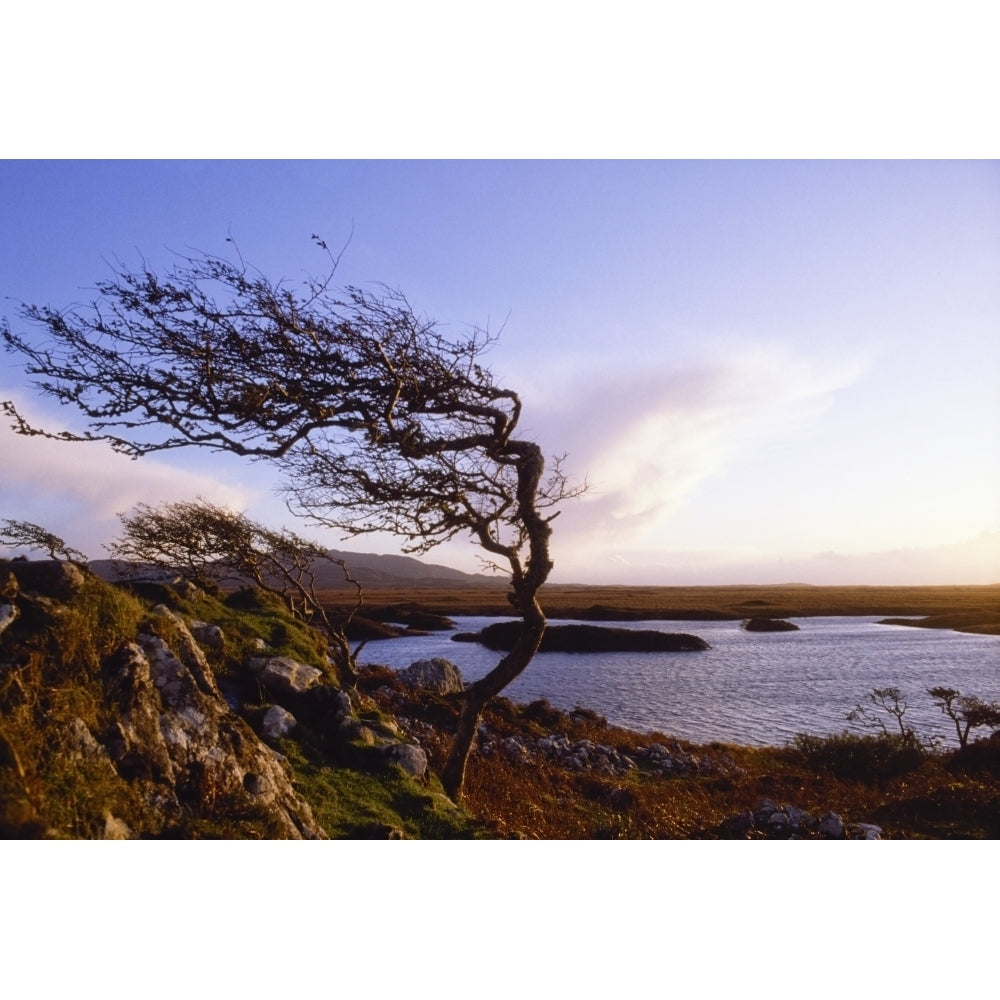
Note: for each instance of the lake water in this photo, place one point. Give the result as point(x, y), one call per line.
point(750, 688)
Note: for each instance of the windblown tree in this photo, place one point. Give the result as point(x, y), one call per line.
point(380, 422)
point(884, 702)
point(212, 543)
point(966, 712)
point(27, 535)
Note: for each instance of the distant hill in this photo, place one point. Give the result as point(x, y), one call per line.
point(388, 571)
point(370, 569)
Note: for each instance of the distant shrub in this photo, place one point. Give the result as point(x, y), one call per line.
point(587, 715)
point(543, 713)
point(501, 708)
point(859, 758)
point(253, 599)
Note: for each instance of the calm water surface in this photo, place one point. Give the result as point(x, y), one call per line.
point(749, 688)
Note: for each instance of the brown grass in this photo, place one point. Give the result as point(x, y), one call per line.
point(973, 607)
point(934, 795)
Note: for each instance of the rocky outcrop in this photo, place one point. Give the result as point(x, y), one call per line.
point(501, 636)
point(52, 578)
point(770, 821)
point(143, 723)
point(177, 736)
point(207, 635)
point(586, 755)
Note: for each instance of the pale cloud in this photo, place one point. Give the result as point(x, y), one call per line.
point(76, 490)
point(647, 438)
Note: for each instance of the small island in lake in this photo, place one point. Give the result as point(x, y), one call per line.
point(769, 625)
point(588, 639)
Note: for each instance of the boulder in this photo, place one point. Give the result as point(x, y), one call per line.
point(831, 826)
point(283, 675)
point(48, 577)
point(277, 723)
point(593, 639)
point(865, 831)
point(740, 826)
point(208, 635)
point(412, 759)
point(8, 612)
point(438, 674)
point(787, 822)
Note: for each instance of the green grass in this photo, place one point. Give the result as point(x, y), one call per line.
point(367, 799)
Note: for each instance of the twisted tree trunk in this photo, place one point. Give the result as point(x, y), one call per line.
point(479, 693)
point(526, 582)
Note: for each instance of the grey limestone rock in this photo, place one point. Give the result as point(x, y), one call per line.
point(284, 675)
point(865, 831)
point(831, 826)
point(8, 612)
point(277, 722)
point(412, 759)
point(208, 635)
point(437, 674)
point(177, 737)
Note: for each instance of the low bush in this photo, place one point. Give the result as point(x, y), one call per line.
point(851, 757)
point(543, 713)
point(978, 757)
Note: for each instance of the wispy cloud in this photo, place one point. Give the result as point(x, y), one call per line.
point(647, 435)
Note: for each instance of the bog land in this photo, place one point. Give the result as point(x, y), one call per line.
point(964, 608)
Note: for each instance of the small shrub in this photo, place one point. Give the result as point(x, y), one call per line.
point(587, 715)
point(860, 758)
point(502, 709)
point(978, 757)
point(543, 713)
point(253, 599)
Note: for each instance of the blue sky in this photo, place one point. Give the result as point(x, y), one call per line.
point(767, 370)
